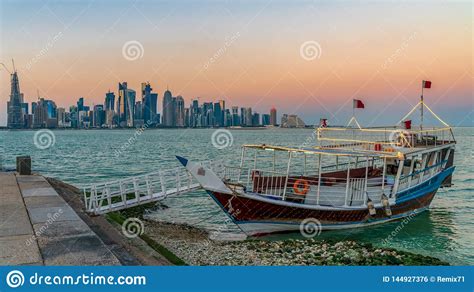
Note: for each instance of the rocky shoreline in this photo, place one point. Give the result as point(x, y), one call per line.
point(194, 247)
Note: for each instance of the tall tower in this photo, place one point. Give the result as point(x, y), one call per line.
point(179, 111)
point(273, 116)
point(149, 101)
point(126, 105)
point(15, 116)
point(168, 109)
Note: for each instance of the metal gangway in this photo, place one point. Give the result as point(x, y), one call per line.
point(120, 194)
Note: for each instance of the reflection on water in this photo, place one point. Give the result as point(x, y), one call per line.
point(86, 156)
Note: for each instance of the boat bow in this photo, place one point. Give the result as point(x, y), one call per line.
point(205, 176)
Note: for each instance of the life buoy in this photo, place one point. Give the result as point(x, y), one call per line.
point(297, 187)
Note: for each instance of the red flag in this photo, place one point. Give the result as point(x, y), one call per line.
point(426, 84)
point(407, 124)
point(357, 103)
point(323, 123)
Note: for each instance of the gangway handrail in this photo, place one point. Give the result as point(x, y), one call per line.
point(119, 194)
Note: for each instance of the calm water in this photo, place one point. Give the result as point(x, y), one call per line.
point(87, 156)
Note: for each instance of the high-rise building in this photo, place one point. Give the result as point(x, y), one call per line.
point(80, 104)
point(187, 117)
point(179, 111)
point(126, 105)
point(235, 116)
point(110, 101)
point(256, 119)
point(63, 117)
point(194, 112)
point(73, 115)
point(242, 116)
point(227, 118)
point(150, 101)
point(219, 110)
point(273, 116)
point(168, 109)
point(98, 116)
point(248, 117)
point(44, 114)
point(16, 118)
point(265, 119)
point(40, 113)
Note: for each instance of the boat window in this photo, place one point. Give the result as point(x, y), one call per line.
point(418, 163)
point(432, 158)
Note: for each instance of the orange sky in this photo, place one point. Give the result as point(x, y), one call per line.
point(377, 52)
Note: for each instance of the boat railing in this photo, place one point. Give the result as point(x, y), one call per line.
point(388, 137)
point(331, 191)
point(235, 174)
point(420, 176)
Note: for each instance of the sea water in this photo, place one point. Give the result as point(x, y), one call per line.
point(82, 157)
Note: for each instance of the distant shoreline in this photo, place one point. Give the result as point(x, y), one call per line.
point(156, 128)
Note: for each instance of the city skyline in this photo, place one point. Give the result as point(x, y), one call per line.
point(252, 58)
point(127, 110)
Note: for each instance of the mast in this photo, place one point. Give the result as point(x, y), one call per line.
point(421, 107)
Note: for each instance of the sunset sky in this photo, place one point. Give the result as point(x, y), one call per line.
point(249, 53)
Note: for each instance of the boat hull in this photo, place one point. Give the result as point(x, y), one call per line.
point(257, 216)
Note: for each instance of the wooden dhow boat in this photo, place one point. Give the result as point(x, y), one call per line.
point(355, 177)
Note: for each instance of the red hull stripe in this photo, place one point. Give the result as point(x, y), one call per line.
point(243, 209)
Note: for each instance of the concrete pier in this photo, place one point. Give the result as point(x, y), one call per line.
point(37, 227)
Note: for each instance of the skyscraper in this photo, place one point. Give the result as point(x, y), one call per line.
point(248, 117)
point(265, 119)
point(40, 113)
point(15, 114)
point(109, 109)
point(194, 114)
point(126, 105)
point(256, 119)
point(235, 116)
point(99, 116)
point(273, 116)
point(150, 101)
point(179, 111)
point(242, 116)
point(110, 101)
point(168, 109)
point(219, 109)
point(80, 104)
point(44, 114)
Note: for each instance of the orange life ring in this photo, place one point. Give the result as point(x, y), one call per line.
point(296, 187)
